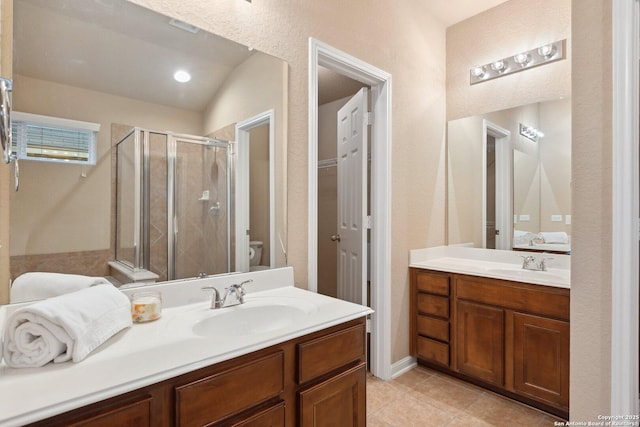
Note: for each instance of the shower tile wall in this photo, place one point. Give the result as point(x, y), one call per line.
point(215, 230)
point(201, 224)
point(190, 210)
point(158, 205)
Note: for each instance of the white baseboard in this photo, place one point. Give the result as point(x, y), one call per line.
point(402, 366)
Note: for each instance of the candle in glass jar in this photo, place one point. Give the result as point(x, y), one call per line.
point(146, 306)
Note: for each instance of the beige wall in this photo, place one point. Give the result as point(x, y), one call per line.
point(257, 85)
point(591, 176)
point(57, 209)
point(511, 27)
point(555, 165)
point(259, 221)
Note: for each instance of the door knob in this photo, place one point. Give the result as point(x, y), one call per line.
point(335, 238)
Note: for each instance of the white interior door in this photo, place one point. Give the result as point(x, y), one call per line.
point(503, 185)
point(352, 199)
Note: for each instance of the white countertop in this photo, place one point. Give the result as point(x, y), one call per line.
point(151, 352)
point(497, 264)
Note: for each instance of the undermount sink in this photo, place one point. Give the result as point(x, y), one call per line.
point(247, 320)
point(522, 273)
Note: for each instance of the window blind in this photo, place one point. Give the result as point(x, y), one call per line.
point(45, 141)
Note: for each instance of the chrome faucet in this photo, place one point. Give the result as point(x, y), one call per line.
point(529, 263)
point(236, 290)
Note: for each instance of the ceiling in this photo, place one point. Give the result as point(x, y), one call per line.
point(120, 48)
point(451, 12)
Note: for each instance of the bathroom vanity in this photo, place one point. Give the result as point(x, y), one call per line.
point(491, 323)
point(285, 357)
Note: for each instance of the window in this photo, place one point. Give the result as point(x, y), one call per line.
point(53, 139)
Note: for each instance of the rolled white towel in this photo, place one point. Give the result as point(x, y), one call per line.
point(39, 285)
point(554, 237)
point(67, 327)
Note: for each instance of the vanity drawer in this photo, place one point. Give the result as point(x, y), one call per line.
point(538, 299)
point(325, 354)
point(432, 283)
point(229, 392)
point(433, 351)
point(433, 328)
point(434, 305)
point(271, 417)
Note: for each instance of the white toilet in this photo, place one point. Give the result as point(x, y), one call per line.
point(255, 256)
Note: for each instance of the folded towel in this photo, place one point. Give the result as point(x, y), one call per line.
point(37, 285)
point(66, 327)
point(554, 237)
point(522, 237)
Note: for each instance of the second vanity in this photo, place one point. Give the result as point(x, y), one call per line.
point(477, 315)
point(285, 357)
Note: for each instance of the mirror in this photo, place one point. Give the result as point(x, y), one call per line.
point(112, 64)
point(509, 178)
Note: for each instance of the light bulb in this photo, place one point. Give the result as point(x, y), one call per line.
point(478, 72)
point(499, 66)
point(522, 59)
point(182, 76)
point(547, 51)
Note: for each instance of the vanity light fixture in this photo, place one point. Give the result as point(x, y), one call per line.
point(531, 133)
point(521, 61)
point(182, 76)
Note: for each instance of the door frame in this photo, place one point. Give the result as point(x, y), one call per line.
point(321, 54)
point(242, 188)
point(504, 183)
point(625, 210)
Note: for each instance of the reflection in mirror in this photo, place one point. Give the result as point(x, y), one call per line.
point(112, 63)
point(511, 189)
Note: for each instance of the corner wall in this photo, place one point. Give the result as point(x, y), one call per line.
point(592, 200)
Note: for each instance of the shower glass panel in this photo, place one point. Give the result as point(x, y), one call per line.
point(126, 207)
point(178, 225)
point(201, 220)
point(156, 208)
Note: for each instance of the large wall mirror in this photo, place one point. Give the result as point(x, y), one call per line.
point(509, 178)
point(161, 194)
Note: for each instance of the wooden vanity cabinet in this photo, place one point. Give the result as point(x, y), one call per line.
point(430, 311)
point(511, 337)
point(315, 380)
point(480, 341)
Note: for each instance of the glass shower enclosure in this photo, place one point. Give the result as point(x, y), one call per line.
point(173, 210)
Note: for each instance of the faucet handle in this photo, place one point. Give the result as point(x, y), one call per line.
point(215, 298)
point(543, 262)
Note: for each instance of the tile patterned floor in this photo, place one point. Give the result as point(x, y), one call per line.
point(425, 398)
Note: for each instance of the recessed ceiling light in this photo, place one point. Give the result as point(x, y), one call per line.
point(182, 76)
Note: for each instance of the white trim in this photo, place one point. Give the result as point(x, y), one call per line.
point(242, 188)
point(19, 116)
point(403, 366)
point(321, 54)
point(624, 309)
point(504, 185)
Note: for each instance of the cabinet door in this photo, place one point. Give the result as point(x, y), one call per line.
point(541, 358)
point(480, 341)
point(339, 401)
